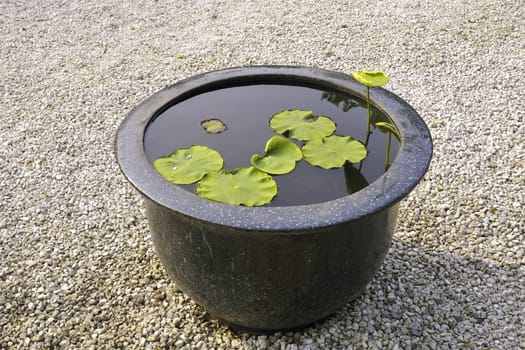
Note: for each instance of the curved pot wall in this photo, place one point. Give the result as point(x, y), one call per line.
point(270, 280)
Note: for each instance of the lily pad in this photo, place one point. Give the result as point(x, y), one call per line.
point(281, 156)
point(334, 151)
point(302, 125)
point(371, 78)
point(213, 126)
point(188, 165)
point(242, 186)
point(390, 128)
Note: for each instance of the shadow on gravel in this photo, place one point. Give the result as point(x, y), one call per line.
point(421, 298)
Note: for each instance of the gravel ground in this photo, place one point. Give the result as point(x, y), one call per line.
point(78, 268)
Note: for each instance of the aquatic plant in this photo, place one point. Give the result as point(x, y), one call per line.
point(370, 79)
point(314, 140)
point(376, 79)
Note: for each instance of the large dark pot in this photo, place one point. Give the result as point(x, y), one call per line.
point(272, 268)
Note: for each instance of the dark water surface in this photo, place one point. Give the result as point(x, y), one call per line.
point(246, 111)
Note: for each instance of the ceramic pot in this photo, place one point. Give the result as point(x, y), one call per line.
point(273, 268)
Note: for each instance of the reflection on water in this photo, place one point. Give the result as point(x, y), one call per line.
point(337, 98)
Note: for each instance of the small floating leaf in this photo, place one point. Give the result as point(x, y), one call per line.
point(333, 151)
point(371, 78)
point(280, 158)
point(188, 165)
point(390, 128)
point(242, 186)
point(213, 126)
point(302, 125)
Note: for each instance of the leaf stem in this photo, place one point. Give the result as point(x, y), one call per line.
point(387, 157)
point(369, 122)
point(368, 108)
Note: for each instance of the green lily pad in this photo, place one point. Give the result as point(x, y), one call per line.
point(301, 124)
point(242, 186)
point(213, 126)
point(188, 165)
point(334, 151)
point(390, 128)
point(281, 156)
point(371, 78)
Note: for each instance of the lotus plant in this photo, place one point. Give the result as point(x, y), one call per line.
point(313, 139)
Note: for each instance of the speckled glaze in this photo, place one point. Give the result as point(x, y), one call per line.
point(273, 268)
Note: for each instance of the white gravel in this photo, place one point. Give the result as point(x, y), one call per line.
point(78, 268)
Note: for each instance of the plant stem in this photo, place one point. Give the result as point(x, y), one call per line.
point(387, 160)
point(368, 108)
point(369, 121)
point(367, 138)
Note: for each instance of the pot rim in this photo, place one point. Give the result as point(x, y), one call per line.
point(405, 172)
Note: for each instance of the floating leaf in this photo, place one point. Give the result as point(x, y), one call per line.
point(334, 151)
point(213, 126)
point(280, 158)
point(242, 186)
point(302, 125)
point(188, 165)
point(371, 78)
point(390, 128)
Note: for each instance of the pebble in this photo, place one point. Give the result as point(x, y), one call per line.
point(78, 267)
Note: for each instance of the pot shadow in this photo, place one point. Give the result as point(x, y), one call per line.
point(420, 296)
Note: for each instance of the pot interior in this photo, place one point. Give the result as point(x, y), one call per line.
point(246, 110)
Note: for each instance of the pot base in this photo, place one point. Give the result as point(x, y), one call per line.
point(239, 329)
